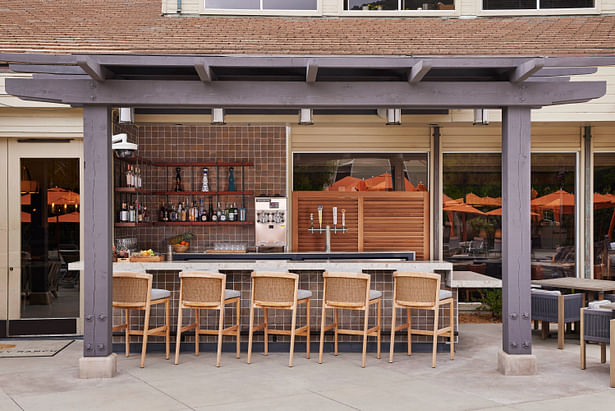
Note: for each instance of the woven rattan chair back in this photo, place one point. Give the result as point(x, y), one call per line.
point(131, 289)
point(202, 288)
point(417, 289)
point(346, 289)
point(277, 288)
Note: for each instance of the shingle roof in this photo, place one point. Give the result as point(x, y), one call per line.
point(136, 26)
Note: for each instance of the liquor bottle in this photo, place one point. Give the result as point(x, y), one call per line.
point(195, 212)
point(202, 212)
point(212, 215)
point(139, 213)
point(178, 180)
point(173, 214)
point(145, 214)
point(219, 213)
point(231, 179)
point(182, 213)
point(162, 212)
point(132, 217)
point(205, 184)
point(236, 211)
point(124, 213)
point(166, 214)
point(128, 177)
point(138, 177)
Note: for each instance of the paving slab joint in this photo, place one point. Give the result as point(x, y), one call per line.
point(516, 364)
point(98, 367)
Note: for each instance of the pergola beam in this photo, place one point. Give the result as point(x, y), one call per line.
point(91, 67)
point(311, 72)
point(204, 72)
point(45, 69)
point(271, 94)
point(526, 70)
point(418, 71)
point(564, 71)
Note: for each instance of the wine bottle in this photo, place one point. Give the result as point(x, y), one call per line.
point(124, 213)
point(205, 184)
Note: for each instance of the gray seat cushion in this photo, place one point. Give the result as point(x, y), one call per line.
point(158, 293)
point(228, 294)
point(545, 292)
point(301, 294)
point(373, 294)
point(444, 294)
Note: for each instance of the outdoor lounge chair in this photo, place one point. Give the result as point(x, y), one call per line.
point(552, 306)
point(598, 326)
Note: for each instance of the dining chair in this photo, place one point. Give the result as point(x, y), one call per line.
point(133, 291)
point(349, 291)
point(421, 291)
point(207, 291)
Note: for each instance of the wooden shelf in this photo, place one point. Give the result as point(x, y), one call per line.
point(188, 223)
point(133, 224)
point(202, 193)
point(205, 164)
point(135, 160)
point(131, 190)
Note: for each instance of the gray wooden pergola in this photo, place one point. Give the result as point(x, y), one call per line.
point(99, 82)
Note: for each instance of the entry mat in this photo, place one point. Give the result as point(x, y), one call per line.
point(32, 348)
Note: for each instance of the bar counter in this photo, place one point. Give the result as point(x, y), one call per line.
point(310, 278)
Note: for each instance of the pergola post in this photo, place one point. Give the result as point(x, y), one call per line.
point(515, 357)
point(98, 360)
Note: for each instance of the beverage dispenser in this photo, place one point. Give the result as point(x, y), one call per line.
point(270, 221)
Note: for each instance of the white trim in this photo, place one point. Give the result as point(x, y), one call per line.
point(261, 12)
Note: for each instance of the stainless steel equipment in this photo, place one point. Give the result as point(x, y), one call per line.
point(270, 219)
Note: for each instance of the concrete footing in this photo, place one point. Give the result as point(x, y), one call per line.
point(98, 367)
point(509, 364)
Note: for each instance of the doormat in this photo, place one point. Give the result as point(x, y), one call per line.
point(32, 348)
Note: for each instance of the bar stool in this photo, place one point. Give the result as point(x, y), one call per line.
point(133, 291)
point(349, 291)
point(279, 291)
point(206, 291)
point(421, 291)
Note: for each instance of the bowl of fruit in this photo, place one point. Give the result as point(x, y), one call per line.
point(181, 243)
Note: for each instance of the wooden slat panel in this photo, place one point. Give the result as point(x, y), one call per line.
point(377, 221)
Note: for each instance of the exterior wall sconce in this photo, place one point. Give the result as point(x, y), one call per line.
point(305, 116)
point(480, 117)
point(127, 115)
point(217, 116)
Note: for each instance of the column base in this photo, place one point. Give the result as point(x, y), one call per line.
point(98, 367)
point(515, 364)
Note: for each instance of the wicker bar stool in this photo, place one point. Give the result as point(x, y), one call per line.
point(207, 291)
point(133, 291)
point(421, 291)
point(349, 291)
point(279, 291)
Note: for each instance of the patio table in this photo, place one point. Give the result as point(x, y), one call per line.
point(583, 284)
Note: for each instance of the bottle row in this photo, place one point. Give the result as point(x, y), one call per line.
point(132, 177)
point(134, 213)
point(183, 212)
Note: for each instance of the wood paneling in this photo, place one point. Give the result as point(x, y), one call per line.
point(376, 221)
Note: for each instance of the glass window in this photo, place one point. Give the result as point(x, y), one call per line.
point(360, 172)
point(472, 213)
point(399, 5)
point(266, 4)
point(604, 216)
point(533, 4)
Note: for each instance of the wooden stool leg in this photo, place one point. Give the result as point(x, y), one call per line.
point(179, 333)
point(145, 334)
point(409, 331)
point(378, 326)
point(582, 339)
point(220, 328)
point(436, 317)
point(335, 318)
point(535, 324)
point(266, 342)
point(602, 353)
point(127, 332)
point(392, 345)
point(307, 316)
point(322, 333)
point(196, 331)
point(365, 322)
point(560, 322)
point(250, 332)
point(167, 336)
point(612, 353)
point(238, 323)
point(544, 328)
point(293, 331)
point(452, 325)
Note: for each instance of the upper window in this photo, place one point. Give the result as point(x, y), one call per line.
point(536, 4)
point(399, 5)
point(262, 4)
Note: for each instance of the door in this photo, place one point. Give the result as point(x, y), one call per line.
point(44, 234)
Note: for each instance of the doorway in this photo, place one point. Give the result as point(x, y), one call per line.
point(43, 235)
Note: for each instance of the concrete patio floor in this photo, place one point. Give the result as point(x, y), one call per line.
point(470, 382)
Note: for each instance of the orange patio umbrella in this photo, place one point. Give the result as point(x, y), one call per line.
point(473, 199)
point(446, 200)
point(606, 201)
point(464, 209)
point(498, 211)
point(347, 183)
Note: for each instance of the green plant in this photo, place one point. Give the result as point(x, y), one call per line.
point(491, 300)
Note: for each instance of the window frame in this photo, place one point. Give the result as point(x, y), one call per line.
point(396, 13)
point(538, 11)
point(262, 12)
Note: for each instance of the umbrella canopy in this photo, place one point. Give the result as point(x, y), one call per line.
point(462, 208)
point(498, 211)
point(473, 199)
point(565, 198)
point(604, 201)
point(446, 200)
point(347, 183)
